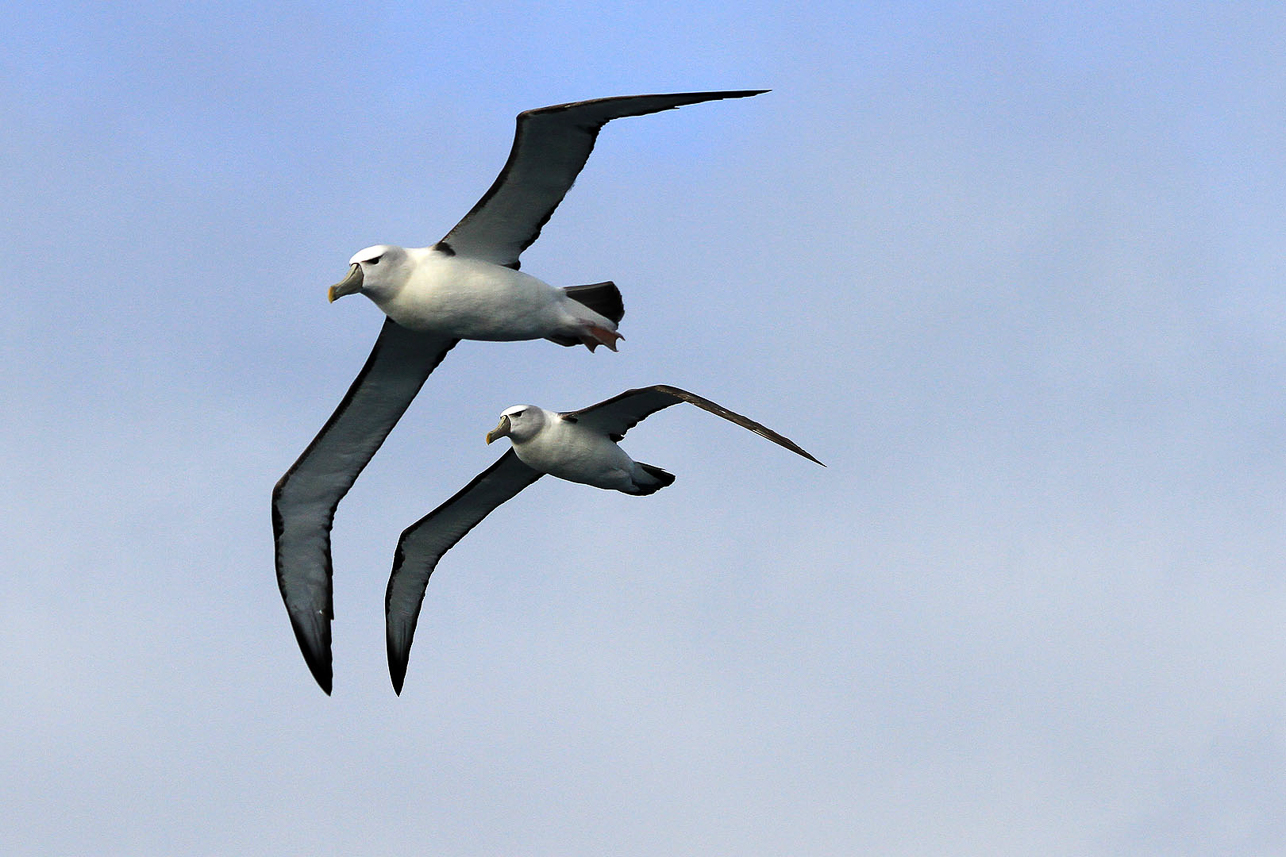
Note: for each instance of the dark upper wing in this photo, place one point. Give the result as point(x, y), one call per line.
point(424, 542)
point(304, 501)
point(550, 147)
point(620, 413)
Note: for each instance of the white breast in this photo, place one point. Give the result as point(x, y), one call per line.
point(471, 299)
point(569, 451)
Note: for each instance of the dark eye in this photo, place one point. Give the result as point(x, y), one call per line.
point(374, 261)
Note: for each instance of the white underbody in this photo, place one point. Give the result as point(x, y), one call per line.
point(472, 299)
point(569, 451)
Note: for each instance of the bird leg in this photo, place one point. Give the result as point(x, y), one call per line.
point(592, 336)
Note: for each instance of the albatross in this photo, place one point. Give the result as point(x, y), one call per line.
point(579, 446)
point(466, 286)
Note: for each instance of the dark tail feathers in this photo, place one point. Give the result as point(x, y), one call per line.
point(602, 298)
point(662, 480)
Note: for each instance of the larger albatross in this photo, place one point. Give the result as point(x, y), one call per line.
point(466, 286)
point(579, 446)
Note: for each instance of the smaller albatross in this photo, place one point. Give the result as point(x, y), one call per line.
point(579, 446)
point(466, 286)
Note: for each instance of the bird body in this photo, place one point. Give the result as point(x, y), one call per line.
point(433, 290)
point(579, 446)
point(560, 445)
point(466, 286)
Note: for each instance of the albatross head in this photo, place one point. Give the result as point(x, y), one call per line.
point(375, 271)
point(520, 424)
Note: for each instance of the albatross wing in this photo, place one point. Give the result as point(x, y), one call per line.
point(551, 146)
point(617, 415)
point(305, 498)
point(424, 542)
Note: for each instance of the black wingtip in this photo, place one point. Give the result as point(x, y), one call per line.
point(398, 656)
point(396, 671)
point(322, 673)
point(721, 94)
point(742, 93)
point(318, 659)
point(730, 93)
point(719, 410)
point(794, 447)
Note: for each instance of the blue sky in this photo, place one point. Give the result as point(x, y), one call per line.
point(1013, 271)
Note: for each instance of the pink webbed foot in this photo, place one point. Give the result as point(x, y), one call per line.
point(593, 336)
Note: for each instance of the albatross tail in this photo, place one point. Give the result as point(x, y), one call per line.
point(648, 479)
point(602, 299)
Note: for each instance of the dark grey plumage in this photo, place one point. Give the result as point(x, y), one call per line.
point(551, 145)
point(423, 544)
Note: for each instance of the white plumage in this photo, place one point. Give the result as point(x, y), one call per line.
point(580, 446)
point(466, 286)
point(433, 291)
point(559, 445)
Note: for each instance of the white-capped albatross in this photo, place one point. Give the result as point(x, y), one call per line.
point(466, 286)
point(579, 446)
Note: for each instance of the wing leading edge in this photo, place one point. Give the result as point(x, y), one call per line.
point(424, 542)
point(551, 146)
point(305, 498)
point(617, 415)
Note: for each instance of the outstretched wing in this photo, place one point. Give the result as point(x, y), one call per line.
point(424, 542)
point(619, 414)
point(550, 147)
point(305, 498)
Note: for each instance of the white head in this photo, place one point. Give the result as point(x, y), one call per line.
point(377, 272)
point(520, 424)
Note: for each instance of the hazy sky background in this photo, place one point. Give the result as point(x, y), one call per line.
point(1013, 271)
